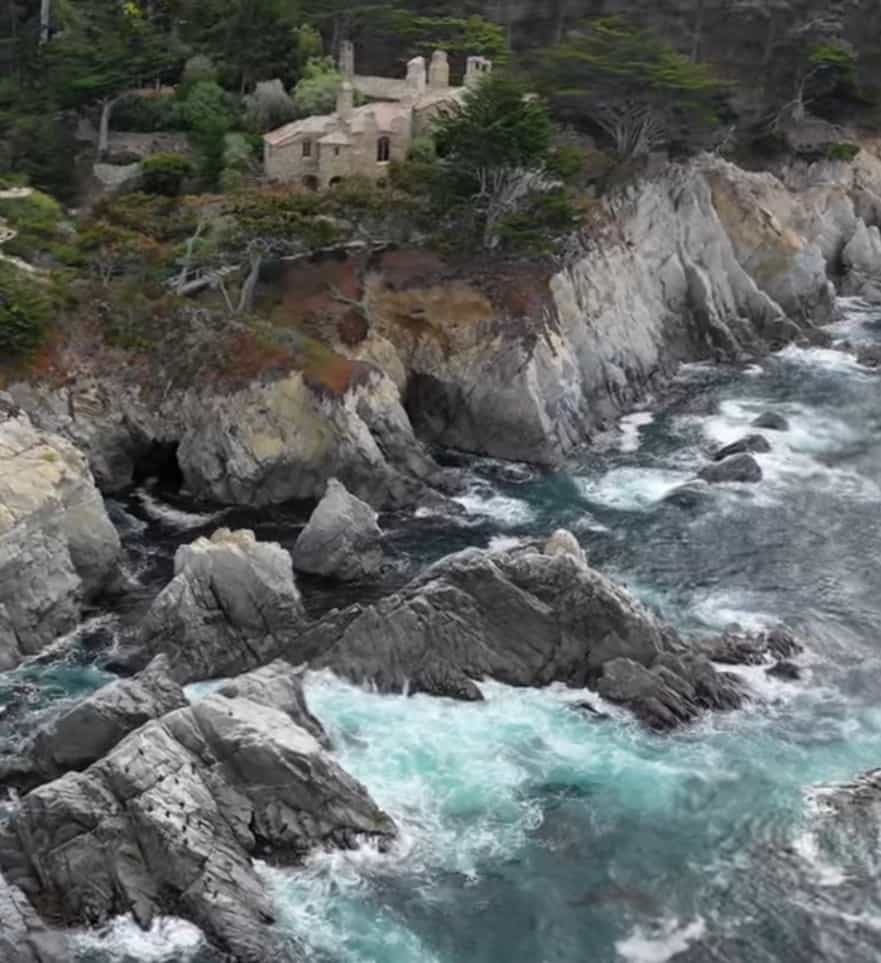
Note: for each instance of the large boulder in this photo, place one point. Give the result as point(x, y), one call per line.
point(230, 607)
point(81, 734)
point(342, 538)
point(58, 548)
point(172, 816)
point(735, 468)
point(861, 259)
point(523, 617)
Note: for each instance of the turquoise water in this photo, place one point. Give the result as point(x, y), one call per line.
point(531, 833)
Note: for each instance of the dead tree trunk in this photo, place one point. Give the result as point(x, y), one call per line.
point(45, 20)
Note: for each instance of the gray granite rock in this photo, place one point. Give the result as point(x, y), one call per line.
point(171, 817)
point(58, 548)
point(342, 538)
point(230, 607)
point(523, 617)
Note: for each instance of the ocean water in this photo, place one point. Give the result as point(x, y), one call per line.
point(533, 833)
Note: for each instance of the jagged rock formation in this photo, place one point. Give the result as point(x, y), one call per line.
point(342, 538)
point(57, 546)
point(168, 821)
point(523, 617)
point(81, 734)
point(231, 606)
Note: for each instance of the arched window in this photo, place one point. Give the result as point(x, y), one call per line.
point(307, 148)
point(383, 150)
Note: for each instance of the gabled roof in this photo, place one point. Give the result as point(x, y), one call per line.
point(308, 126)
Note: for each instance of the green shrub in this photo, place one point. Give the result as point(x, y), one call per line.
point(25, 310)
point(535, 228)
point(37, 218)
point(843, 151)
point(165, 174)
point(567, 162)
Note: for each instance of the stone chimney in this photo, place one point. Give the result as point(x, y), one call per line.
point(345, 99)
point(439, 71)
point(476, 68)
point(347, 59)
point(416, 78)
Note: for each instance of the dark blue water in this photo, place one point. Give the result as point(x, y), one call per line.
point(531, 834)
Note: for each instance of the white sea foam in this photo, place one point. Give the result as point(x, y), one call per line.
point(832, 359)
point(504, 543)
point(169, 940)
point(505, 511)
point(658, 946)
point(808, 848)
point(175, 517)
point(630, 426)
point(796, 454)
point(633, 489)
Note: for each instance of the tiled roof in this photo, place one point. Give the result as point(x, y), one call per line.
point(316, 125)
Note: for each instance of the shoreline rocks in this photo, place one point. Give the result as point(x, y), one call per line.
point(523, 617)
point(341, 539)
point(58, 548)
point(170, 819)
point(231, 606)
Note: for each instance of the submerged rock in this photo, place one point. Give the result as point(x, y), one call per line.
point(772, 421)
point(752, 648)
point(58, 548)
point(523, 617)
point(172, 816)
point(788, 671)
point(231, 606)
point(734, 468)
point(869, 356)
point(692, 494)
point(758, 443)
point(342, 538)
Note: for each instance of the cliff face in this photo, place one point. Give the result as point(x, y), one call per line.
point(703, 260)
point(520, 360)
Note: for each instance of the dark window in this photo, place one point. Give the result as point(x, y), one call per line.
point(383, 149)
point(336, 152)
point(307, 148)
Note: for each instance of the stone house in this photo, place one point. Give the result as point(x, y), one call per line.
point(316, 152)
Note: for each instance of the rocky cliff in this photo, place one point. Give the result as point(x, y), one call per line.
point(523, 360)
point(57, 545)
point(700, 260)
